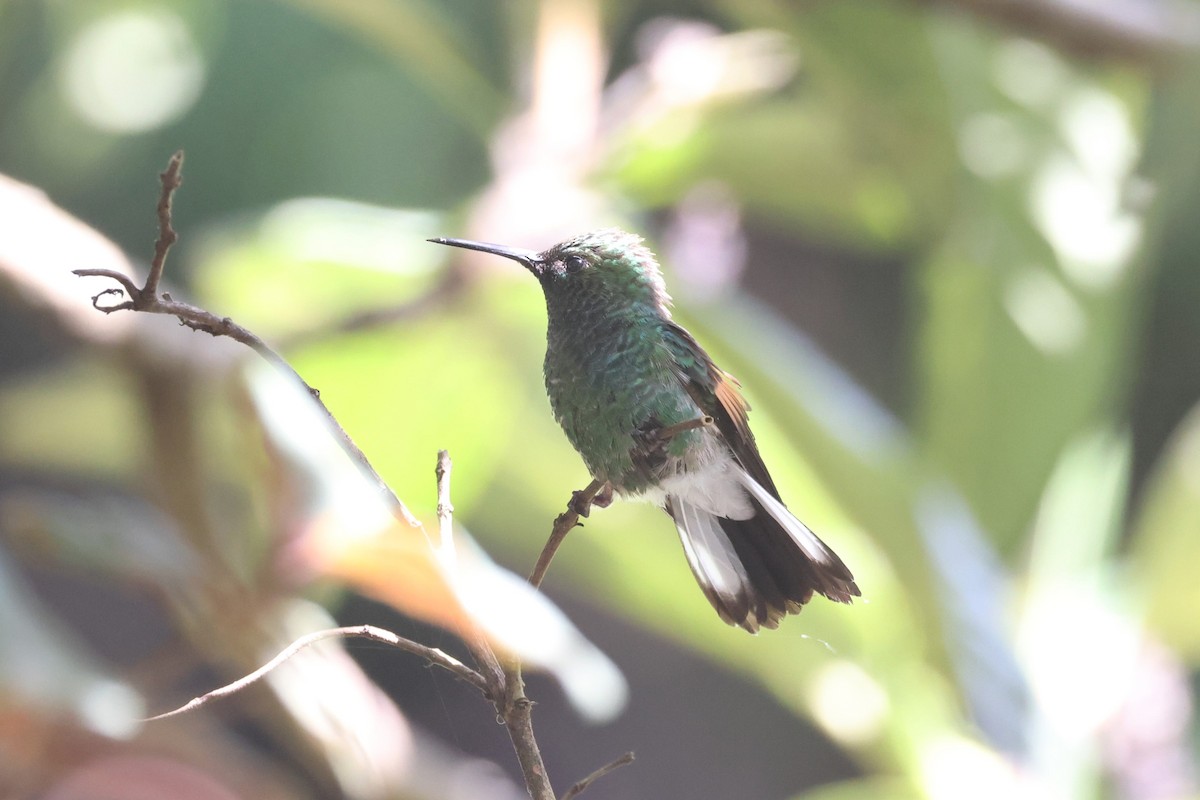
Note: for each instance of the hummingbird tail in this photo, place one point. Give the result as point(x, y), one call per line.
point(719, 569)
point(756, 571)
point(827, 574)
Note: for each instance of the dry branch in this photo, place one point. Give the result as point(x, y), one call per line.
point(580, 786)
point(431, 654)
point(579, 506)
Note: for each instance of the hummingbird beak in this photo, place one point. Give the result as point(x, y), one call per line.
point(530, 259)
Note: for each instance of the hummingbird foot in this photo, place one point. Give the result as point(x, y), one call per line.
point(582, 500)
point(604, 497)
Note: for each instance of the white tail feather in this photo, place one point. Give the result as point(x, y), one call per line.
point(709, 552)
point(812, 546)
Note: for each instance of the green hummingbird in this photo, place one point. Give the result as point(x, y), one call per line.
point(655, 419)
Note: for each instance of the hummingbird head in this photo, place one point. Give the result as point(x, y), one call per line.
point(605, 267)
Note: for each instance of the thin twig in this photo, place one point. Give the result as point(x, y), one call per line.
point(579, 506)
point(490, 668)
point(431, 654)
point(504, 685)
point(171, 179)
point(493, 672)
point(147, 299)
point(445, 509)
point(615, 764)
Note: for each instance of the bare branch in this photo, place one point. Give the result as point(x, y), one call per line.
point(131, 289)
point(171, 179)
point(148, 300)
point(490, 668)
point(445, 509)
point(582, 785)
point(504, 685)
point(520, 729)
point(431, 654)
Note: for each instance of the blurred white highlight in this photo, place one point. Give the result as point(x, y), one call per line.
point(953, 768)
point(133, 71)
point(848, 702)
point(521, 620)
point(111, 708)
point(369, 743)
point(1077, 635)
point(349, 232)
point(1042, 308)
point(993, 145)
point(1030, 73)
point(690, 63)
point(1100, 134)
point(1077, 198)
point(1080, 215)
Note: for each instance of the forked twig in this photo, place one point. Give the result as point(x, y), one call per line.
point(147, 299)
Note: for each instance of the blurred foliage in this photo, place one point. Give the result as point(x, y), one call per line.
point(1022, 511)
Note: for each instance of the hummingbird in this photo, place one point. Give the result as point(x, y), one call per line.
point(654, 419)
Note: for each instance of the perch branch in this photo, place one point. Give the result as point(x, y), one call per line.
point(579, 506)
point(519, 722)
point(598, 494)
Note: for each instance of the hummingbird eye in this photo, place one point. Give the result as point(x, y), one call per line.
point(574, 263)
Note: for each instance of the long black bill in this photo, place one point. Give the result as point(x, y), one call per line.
point(530, 259)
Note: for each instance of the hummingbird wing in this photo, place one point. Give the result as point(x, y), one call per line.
point(780, 562)
point(718, 394)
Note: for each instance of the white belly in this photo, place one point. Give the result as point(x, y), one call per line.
point(706, 479)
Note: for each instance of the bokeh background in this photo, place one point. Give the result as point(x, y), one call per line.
point(948, 247)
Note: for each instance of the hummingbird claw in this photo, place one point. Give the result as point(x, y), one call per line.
point(604, 497)
point(582, 500)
